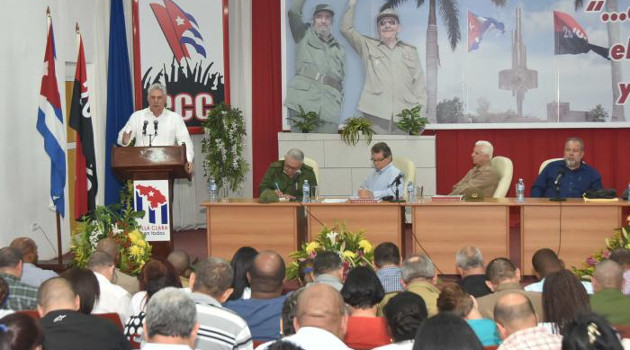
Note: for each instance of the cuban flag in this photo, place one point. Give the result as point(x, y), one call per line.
point(50, 125)
point(151, 199)
point(179, 28)
point(478, 26)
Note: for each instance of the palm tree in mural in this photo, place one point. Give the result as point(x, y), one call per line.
point(449, 11)
point(618, 114)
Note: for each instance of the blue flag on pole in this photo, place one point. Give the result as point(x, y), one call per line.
point(50, 125)
point(119, 94)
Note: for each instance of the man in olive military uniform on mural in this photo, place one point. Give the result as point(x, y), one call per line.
point(319, 58)
point(394, 79)
point(286, 177)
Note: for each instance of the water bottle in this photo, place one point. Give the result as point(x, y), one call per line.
point(212, 191)
point(411, 192)
point(520, 191)
point(306, 192)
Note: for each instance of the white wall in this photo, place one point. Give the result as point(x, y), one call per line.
point(24, 178)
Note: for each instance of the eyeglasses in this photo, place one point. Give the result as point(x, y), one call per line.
point(390, 21)
point(287, 167)
point(378, 160)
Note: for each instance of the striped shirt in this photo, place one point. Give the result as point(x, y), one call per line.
point(220, 328)
point(390, 277)
point(21, 295)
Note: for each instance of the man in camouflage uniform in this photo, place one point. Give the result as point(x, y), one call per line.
point(394, 79)
point(317, 84)
point(286, 177)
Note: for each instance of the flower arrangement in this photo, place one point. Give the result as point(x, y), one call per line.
point(353, 248)
point(618, 240)
point(117, 221)
point(224, 137)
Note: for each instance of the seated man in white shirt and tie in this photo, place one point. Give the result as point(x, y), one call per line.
point(386, 180)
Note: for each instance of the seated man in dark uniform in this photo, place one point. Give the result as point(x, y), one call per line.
point(286, 177)
point(577, 177)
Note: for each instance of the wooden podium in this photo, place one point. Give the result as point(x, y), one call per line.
point(152, 163)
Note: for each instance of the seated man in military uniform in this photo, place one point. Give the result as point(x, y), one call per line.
point(286, 177)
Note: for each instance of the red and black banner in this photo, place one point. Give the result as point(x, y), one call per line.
point(570, 37)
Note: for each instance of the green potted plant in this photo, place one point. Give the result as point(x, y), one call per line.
point(354, 127)
point(306, 121)
point(411, 121)
point(222, 146)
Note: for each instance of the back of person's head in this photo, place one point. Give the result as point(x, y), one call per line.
point(326, 262)
point(321, 306)
point(20, 332)
point(27, 247)
point(289, 308)
point(85, 285)
point(180, 261)
point(4, 292)
point(622, 257)
point(241, 265)
point(453, 298)
point(382, 147)
point(468, 258)
point(213, 276)
point(417, 267)
point(386, 253)
point(362, 288)
point(56, 294)
point(500, 270)
point(563, 296)
point(404, 313)
point(446, 331)
point(589, 331)
point(608, 275)
point(267, 272)
point(170, 313)
point(156, 274)
point(284, 345)
point(9, 257)
point(545, 261)
point(99, 261)
point(110, 246)
point(305, 271)
point(514, 312)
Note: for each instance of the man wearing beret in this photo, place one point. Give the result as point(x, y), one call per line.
point(317, 84)
point(394, 79)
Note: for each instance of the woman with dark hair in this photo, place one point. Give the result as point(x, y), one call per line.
point(241, 262)
point(563, 297)
point(362, 292)
point(453, 298)
point(4, 295)
point(156, 274)
point(446, 331)
point(404, 313)
point(85, 285)
point(589, 331)
point(20, 332)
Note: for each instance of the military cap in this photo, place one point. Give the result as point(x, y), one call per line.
point(323, 7)
point(387, 13)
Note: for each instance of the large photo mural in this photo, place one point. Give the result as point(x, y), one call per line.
point(468, 63)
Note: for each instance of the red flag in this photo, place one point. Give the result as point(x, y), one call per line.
point(571, 38)
point(86, 184)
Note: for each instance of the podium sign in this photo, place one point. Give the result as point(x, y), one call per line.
point(152, 196)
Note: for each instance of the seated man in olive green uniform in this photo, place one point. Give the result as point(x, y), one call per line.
point(286, 177)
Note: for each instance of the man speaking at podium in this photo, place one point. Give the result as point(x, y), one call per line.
point(157, 126)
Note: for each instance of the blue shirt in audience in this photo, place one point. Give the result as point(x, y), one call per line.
point(573, 183)
point(262, 316)
point(486, 330)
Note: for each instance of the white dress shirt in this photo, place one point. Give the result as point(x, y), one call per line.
point(312, 338)
point(113, 298)
point(171, 130)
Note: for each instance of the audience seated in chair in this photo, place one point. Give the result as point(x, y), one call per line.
point(181, 262)
point(85, 285)
point(563, 297)
point(65, 328)
point(387, 265)
point(128, 282)
point(446, 331)
point(31, 274)
point(362, 291)
point(589, 331)
point(20, 332)
point(4, 295)
point(622, 257)
point(241, 264)
point(328, 269)
point(22, 296)
point(469, 263)
point(262, 312)
point(418, 274)
point(544, 262)
point(608, 300)
point(171, 321)
point(113, 297)
point(404, 313)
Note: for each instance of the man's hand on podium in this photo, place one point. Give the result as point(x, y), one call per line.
point(126, 138)
point(189, 168)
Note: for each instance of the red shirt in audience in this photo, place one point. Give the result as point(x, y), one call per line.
point(366, 332)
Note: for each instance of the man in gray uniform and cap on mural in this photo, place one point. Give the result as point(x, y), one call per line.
point(317, 84)
point(394, 79)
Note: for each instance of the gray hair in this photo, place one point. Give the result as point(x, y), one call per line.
point(170, 312)
point(575, 139)
point(157, 86)
point(295, 154)
point(609, 274)
point(486, 147)
point(10, 257)
point(213, 276)
point(99, 260)
point(469, 257)
point(417, 266)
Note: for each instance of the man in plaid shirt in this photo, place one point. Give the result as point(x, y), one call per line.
point(21, 296)
point(518, 325)
point(387, 262)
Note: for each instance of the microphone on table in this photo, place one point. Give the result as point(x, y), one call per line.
point(556, 181)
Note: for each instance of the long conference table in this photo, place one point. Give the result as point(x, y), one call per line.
point(439, 228)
